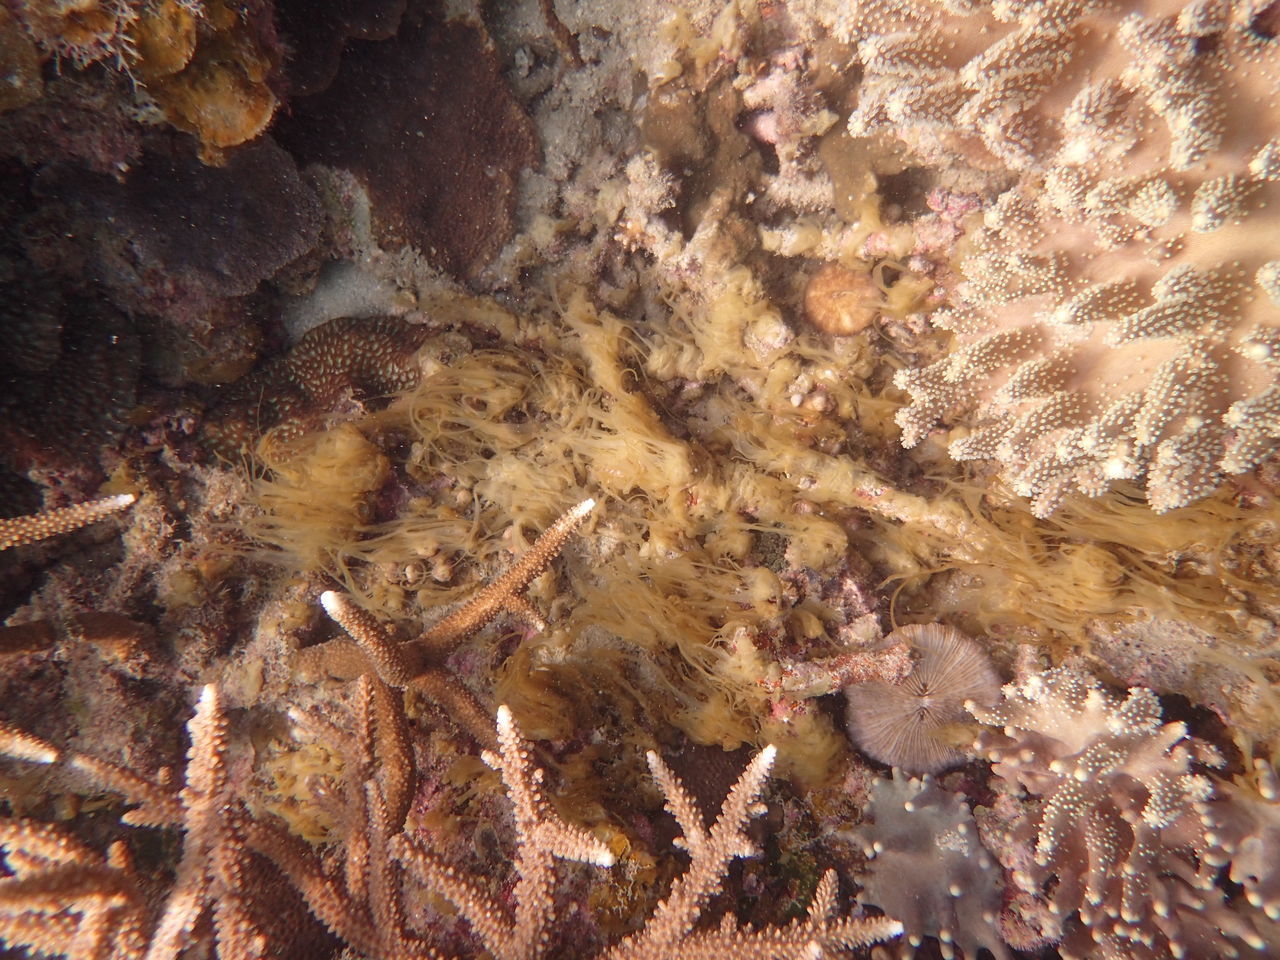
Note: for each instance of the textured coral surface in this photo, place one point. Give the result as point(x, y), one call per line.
point(1117, 311)
point(749, 385)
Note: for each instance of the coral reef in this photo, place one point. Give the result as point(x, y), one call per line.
point(356, 299)
point(1117, 304)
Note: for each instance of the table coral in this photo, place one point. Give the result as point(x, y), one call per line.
point(1117, 318)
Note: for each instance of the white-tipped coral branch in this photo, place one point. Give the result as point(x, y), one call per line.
point(16, 531)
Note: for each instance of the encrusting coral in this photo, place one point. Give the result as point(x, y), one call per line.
point(1117, 314)
point(436, 81)
point(343, 360)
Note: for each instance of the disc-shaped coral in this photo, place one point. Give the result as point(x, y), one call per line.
point(898, 724)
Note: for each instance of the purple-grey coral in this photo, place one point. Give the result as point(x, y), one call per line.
point(899, 723)
point(1118, 830)
point(927, 867)
point(1244, 829)
point(221, 229)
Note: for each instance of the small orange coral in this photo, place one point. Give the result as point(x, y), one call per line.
point(221, 95)
point(83, 31)
point(840, 301)
point(164, 40)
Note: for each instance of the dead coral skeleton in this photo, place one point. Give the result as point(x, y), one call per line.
point(16, 531)
point(415, 665)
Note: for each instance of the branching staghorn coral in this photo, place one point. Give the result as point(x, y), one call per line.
point(1118, 312)
point(67, 900)
point(414, 666)
point(15, 531)
point(1120, 834)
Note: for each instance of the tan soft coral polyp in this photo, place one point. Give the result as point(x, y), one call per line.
point(1106, 324)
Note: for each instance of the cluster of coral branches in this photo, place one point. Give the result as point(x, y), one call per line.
point(239, 878)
